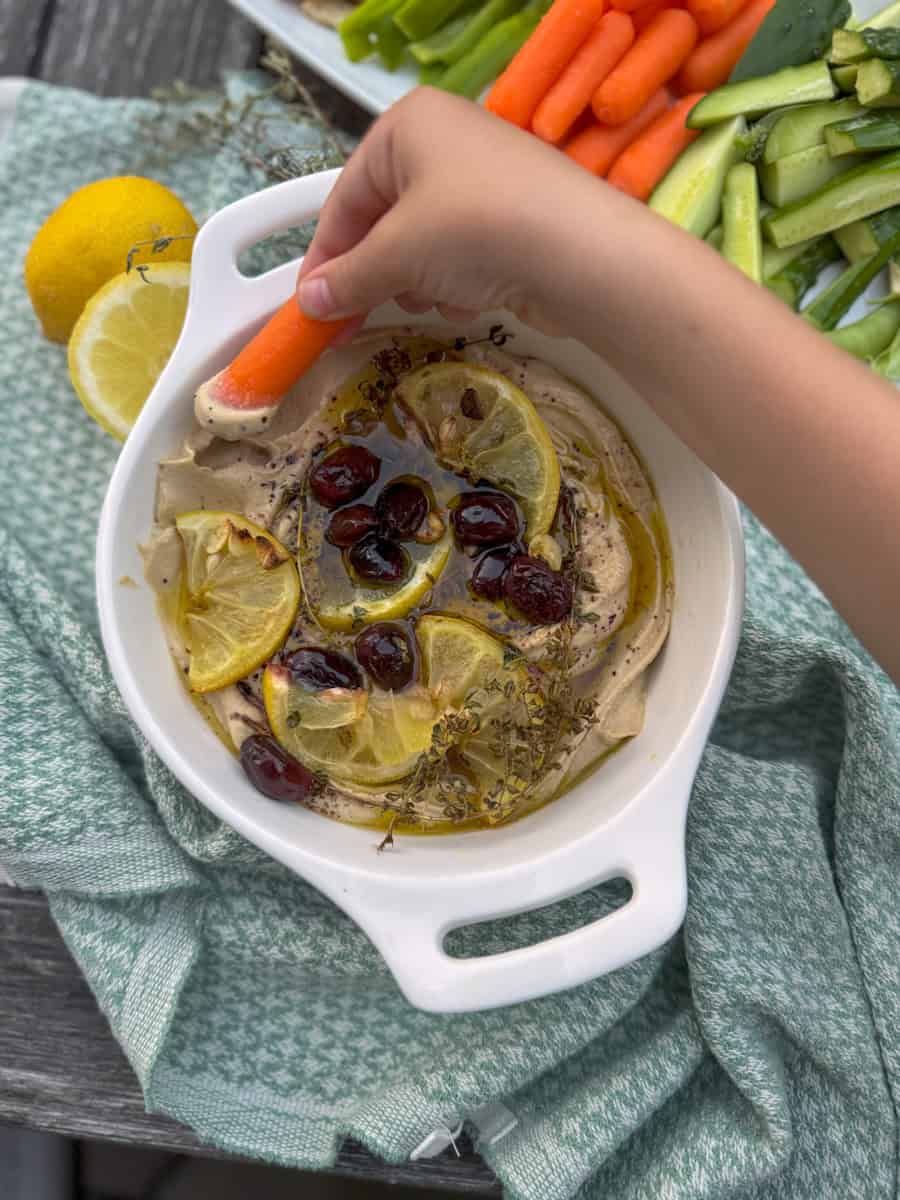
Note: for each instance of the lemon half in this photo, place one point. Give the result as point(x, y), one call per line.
point(122, 341)
point(241, 594)
point(87, 240)
point(504, 441)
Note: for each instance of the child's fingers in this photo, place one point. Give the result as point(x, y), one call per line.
point(362, 195)
point(412, 303)
point(349, 333)
point(456, 315)
point(382, 265)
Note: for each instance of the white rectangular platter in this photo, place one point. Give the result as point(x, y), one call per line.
point(368, 83)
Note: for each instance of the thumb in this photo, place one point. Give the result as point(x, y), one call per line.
point(378, 268)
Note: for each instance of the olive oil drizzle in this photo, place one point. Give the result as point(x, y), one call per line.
point(366, 413)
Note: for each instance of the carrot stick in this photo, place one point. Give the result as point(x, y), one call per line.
point(715, 58)
point(543, 58)
point(641, 166)
point(628, 6)
point(585, 121)
point(712, 15)
point(653, 59)
point(642, 16)
point(571, 94)
point(598, 147)
point(272, 362)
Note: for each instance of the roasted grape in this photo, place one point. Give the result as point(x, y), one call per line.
point(317, 669)
point(344, 475)
point(489, 572)
point(377, 560)
point(385, 651)
point(401, 508)
point(350, 524)
point(274, 772)
point(485, 519)
point(542, 596)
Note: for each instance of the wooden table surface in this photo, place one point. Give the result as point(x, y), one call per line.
point(60, 1068)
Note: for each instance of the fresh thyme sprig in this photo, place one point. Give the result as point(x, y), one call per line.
point(526, 720)
point(157, 246)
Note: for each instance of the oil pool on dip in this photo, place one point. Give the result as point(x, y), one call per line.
point(424, 596)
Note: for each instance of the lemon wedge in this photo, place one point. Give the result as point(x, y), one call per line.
point(240, 596)
point(123, 339)
point(479, 422)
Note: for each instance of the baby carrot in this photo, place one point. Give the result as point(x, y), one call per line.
point(543, 58)
point(571, 94)
point(641, 17)
point(598, 146)
point(711, 15)
point(272, 362)
point(640, 166)
point(715, 58)
point(653, 59)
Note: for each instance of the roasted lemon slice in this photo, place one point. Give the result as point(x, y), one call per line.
point(332, 708)
point(383, 743)
point(339, 602)
point(461, 663)
point(379, 747)
point(479, 422)
point(241, 593)
point(457, 657)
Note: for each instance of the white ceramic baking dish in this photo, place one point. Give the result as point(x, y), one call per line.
point(626, 820)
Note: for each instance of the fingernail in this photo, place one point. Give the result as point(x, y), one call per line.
point(314, 297)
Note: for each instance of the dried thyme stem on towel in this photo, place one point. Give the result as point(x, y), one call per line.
point(189, 118)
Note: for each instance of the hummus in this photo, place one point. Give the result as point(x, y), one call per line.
point(608, 540)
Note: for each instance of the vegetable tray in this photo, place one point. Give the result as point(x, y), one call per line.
point(368, 83)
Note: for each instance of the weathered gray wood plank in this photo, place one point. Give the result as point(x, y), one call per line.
point(22, 22)
point(62, 1071)
point(127, 47)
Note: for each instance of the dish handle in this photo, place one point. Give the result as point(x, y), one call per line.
point(215, 277)
point(646, 846)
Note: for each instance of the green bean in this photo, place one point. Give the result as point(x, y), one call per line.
point(455, 40)
point(497, 48)
point(419, 18)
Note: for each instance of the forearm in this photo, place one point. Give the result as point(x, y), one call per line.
point(803, 433)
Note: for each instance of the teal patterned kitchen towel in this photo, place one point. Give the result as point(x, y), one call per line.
point(756, 1056)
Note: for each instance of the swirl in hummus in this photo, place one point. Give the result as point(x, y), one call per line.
point(577, 687)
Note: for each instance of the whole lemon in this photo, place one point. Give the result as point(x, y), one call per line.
point(86, 242)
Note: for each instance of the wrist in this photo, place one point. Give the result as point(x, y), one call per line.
point(585, 264)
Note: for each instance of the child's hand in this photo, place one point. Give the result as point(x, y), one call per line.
point(445, 205)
